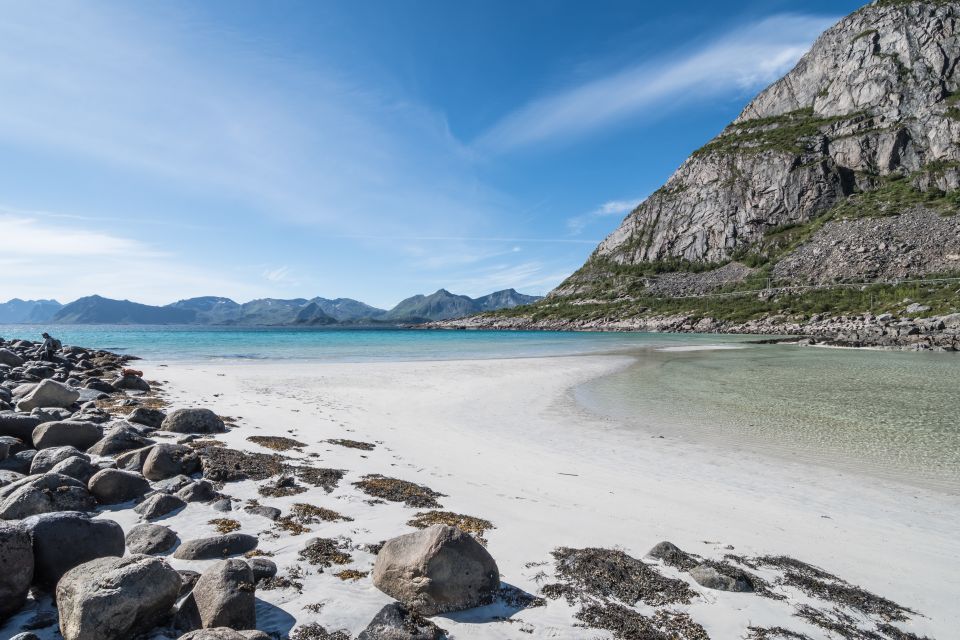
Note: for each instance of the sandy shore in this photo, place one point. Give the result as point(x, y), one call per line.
point(504, 441)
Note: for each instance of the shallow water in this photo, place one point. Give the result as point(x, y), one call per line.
point(892, 414)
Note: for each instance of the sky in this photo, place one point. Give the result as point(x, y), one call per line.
point(156, 151)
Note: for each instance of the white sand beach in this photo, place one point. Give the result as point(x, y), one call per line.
point(504, 441)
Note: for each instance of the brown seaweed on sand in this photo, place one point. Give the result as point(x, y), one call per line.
point(394, 490)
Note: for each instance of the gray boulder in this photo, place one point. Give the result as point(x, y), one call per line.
point(62, 541)
point(130, 383)
point(150, 539)
point(710, 577)
point(133, 460)
point(159, 505)
point(230, 544)
point(9, 477)
point(224, 633)
point(222, 597)
point(43, 494)
point(49, 393)
point(9, 358)
point(102, 386)
point(193, 421)
point(16, 567)
point(19, 462)
point(18, 425)
point(262, 568)
point(199, 491)
point(76, 467)
point(271, 513)
point(152, 418)
point(13, 445)
point(119, 437)
point(113, 486)
point(169, 460)
point(436, 570)
point(47, 459)
point(396, 622)
point(116, 598)
point(66, 434)
point(172, 485)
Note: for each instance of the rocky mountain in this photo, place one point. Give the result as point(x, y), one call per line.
point(347, 310)
point(846, 170)
point(100, 310)
point(17, 311)
point(506, 299)
point(210, 309)
point(443, 305)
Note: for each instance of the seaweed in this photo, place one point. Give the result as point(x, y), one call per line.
point(774, 633)
point(626, 624)
point(328, 479)
point(351, 574)
point(325, 552)
point(312, 514)
point(315, 631)
point(277, 443)
point(353, 444)
point(221, 464)
point(394, 490)
point(225, 525)
point(474, 526)
point(281, 488)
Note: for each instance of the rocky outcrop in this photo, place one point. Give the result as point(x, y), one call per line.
point(16, 567)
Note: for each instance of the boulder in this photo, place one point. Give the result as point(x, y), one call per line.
point(64, 540)
point(113, 486)
point(13, 445)
point(188, 579)
point(150, 539)
point(96, 384)
point(271, 513)
point(262, 568)
point(9, 358)
point(193, 421)
point(76, 467)
point(159, 505)
point(152, 418)
point(396, 622)
point(49, 393)
point(436, 570)
point(19, 462)
point(224, 633)
point(230, 544)
point(130, 383)
point(199, 491)
point(133, 460)
point(66, 434)
point(710, 577)
point(43, 494)
point(51, 414)
point(223, 504)
point(118, 438)
point(16, 567)
point(169, 460)
point(116, 598)
point(222, 597)
point(172, 485)
point(47, 459)
point(9, 477)
point(18, 425)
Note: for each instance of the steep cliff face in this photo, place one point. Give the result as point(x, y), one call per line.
point(866, 124)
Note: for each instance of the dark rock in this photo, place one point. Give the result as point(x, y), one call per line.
point(9, 477)
point(13, 445)
point(189, 579)
point(168, 460)
point(230, 544)
point(222, 597)
point(66, 434)
point(16, 567)
point(116, 598)
point(43, 494)
point(396, 622)
point(10, 358)
point(76, 467)
point(47, 459)
point(172, 485)
point(119, 438)
point(130, 383)
point(18, 425)
point(150, 539)
point(133, 460)
point(193, 421)
point(271, 513)
point(711, 578)
point(19, 462)
point(222, 504)
point(113, 486)
point(152, 418)
point(159, 505)
point(262, 568)
point(100, 385)
point(200, 491)
point(61, 541)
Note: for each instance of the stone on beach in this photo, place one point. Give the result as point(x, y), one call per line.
point(47, 459)
point(150, 539)
point(222, 597)
point(18, 425)
point(9, 358)
point(43, 494)
point(199, 491)
point(63, 540)
point(710, 577)
point(113, 486)
point(148, 417)
point(49, 393)
point(224, 633)
point(230, 544)
point(396, 622)
point(133, 460)
point(193, 421)
point(120, 437)
point(66, 433)
point(169, 460)
point(159, 505)
point(436, 570)
point(76, 467)
point(130, 383)
point(116, 598)
point(16, 567)
point(262, 568)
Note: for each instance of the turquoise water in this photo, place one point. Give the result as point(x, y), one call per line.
point(893, 414)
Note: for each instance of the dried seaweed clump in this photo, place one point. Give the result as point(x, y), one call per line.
point(312, 514)
point(353, 444)
point(626, 624)
point(774, 633)
point(283, 487)
point(351, 574)
point(277, 443)
point(517, 598)
point(674, 556)
point(293, 580)
point(325, 552)
point(328, 479)
point(221, 464)
point(315, 631)
point(225, 525)
point(476, 526)
point(610, 573)
point(411, 494)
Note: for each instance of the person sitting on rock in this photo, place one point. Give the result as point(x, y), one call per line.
point(49, 347)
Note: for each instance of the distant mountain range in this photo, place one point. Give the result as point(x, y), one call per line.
point(211, 310)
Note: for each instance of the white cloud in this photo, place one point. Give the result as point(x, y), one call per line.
point(278, 274)
point(576, 224)
point(747, 58)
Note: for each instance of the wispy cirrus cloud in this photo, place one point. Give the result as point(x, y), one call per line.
point(745, 59)
point(576, 224)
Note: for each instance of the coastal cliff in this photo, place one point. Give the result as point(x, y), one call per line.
point(843, 172)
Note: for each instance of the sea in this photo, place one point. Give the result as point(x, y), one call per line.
point(893, 414)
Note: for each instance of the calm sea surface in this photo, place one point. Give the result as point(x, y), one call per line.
point(892, 414)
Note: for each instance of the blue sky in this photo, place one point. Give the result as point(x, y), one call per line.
point(161, 150)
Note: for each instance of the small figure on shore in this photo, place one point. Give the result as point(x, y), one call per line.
point(49, 347)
